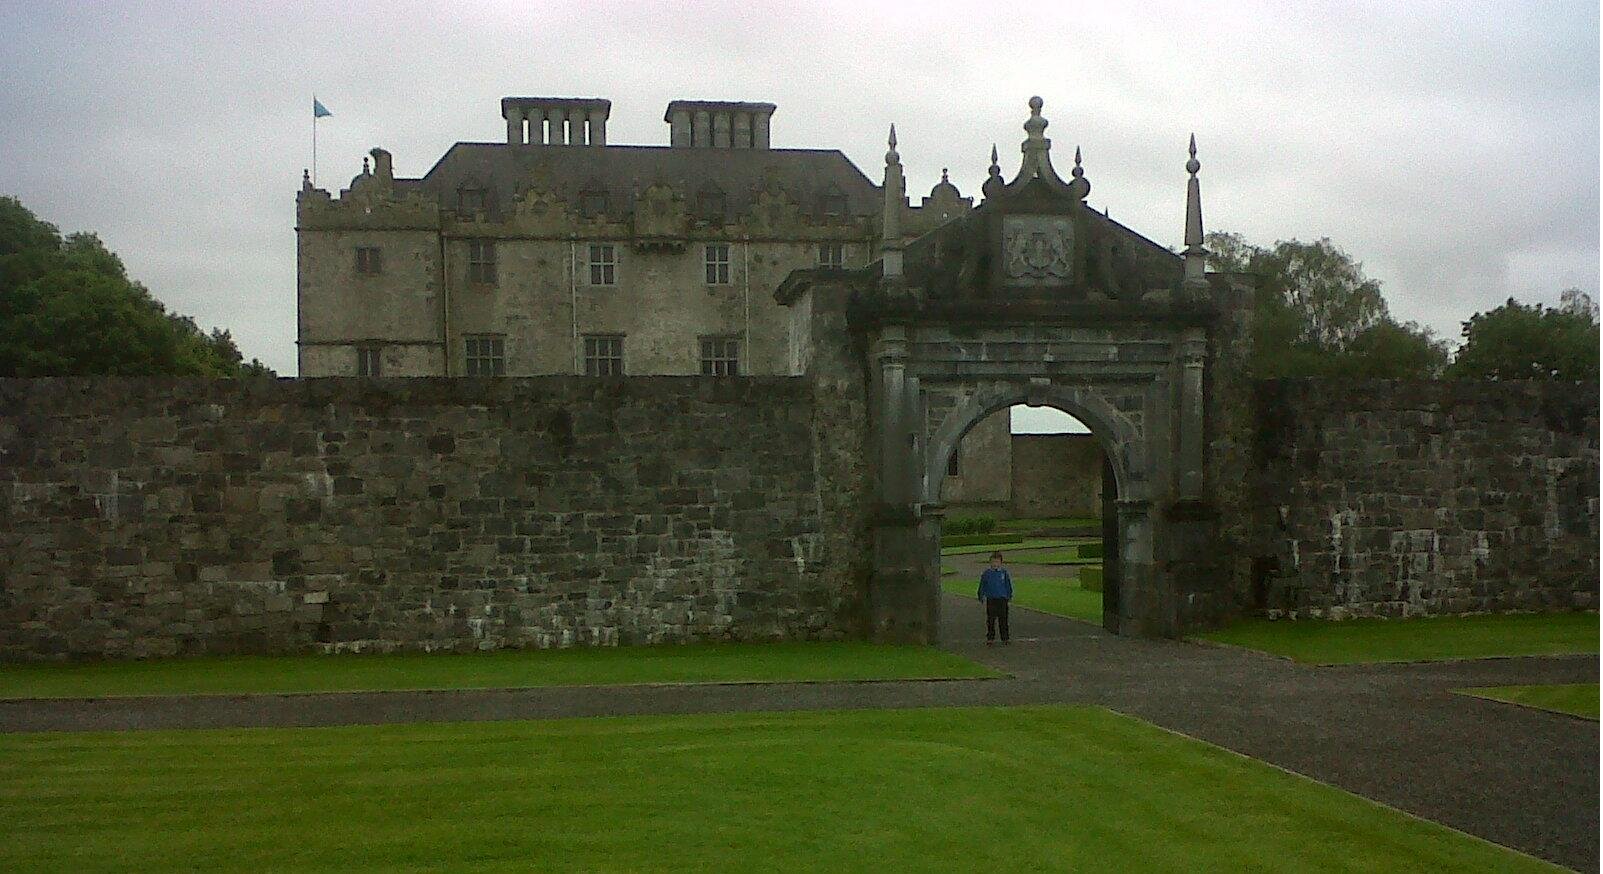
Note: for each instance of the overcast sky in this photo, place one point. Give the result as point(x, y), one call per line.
point(1452, 148)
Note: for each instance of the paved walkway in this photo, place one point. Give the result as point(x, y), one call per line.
point(1394, 733)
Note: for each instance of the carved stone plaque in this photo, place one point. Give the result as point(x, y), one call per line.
point(1038, 249)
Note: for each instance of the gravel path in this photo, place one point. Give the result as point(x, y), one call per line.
point(1395, 733)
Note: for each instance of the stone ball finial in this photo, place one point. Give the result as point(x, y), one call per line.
point(1193, 165)
point(1035, 105)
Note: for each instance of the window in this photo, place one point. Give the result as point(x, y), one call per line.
point(367, 260)
point(603, 355)
point(470, 200)
point(720, 356)
point(717, 260)
point(832, 255)
point(593, 203)
point(481, 262)
point(953, 465)
point(834, 204)
point(368, 362)
point(485, 354)
point(710, 206)
point(603, 264)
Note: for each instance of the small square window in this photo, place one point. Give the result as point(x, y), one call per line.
point(470, 200)
point(717, 262)
point(834, 204)
point(603, 355)
point(485, 354)
point(603, 264)
point(368, 361)
point(832, 255)
point(367, 260)
point(710, 206)
point(593, 203)
point(481, 262)
point(720, 356)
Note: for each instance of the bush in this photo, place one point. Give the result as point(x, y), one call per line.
point(1091, 578)
point(970, 525)
point(1090, 550)
point(980, 539)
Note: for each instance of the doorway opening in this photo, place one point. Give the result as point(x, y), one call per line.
point(1036, 484)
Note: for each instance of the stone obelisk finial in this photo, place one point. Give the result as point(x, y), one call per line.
point(1195, 255)
point(891, 222)
point(993, 182)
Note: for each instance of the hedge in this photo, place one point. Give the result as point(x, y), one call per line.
point(980, 539)
point(1091, 578)
point(1090, 550)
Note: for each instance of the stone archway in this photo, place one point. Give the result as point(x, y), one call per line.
point(1034, 298)
point(1125, 455)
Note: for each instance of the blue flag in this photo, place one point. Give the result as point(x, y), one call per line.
point(319, 110)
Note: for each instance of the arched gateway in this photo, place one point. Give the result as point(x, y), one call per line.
point(1035, 298)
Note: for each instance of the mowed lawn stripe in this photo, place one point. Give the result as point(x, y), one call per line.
point(1355, 641)
point(1575, 699)
point(578, 666)
point(1028, 788)
point(1056, 596)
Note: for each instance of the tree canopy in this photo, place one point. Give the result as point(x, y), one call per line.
point(68, 308)
point(1317, 314)
point(1530, 341)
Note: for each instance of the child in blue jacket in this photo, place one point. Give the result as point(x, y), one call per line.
point(996, 589)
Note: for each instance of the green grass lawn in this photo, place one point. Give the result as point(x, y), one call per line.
point(999, 789)
point(1059, 597)
point(1055, 556)
point(1005, 548)
point(695, 663)
point(1576, 699)
point(1401, 640)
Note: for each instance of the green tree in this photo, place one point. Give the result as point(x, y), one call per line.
point(1317, 314)
point(1530, 341)
point(67, 307)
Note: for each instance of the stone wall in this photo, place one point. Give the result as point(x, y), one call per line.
point(156, 517)
point(982, 483)
point(1386, 498)
point(1056, 475)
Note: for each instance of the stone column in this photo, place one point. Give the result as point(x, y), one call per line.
point(742, 130)
point(1146, 594)
point(720, 130)
point(1193, 355)
point(598, 128)
point(759, 131)
point(559, 126)
point(701, 129)
point(680, 129)
point(514, 127)
point(904, 603)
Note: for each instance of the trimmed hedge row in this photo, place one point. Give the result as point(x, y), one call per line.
point(1091, 578)
point(1090, 550)
point(980, 539)
point(961, 525)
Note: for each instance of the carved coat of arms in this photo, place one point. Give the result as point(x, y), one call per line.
point(1037, 249)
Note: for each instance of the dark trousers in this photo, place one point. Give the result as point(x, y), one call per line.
point(995, 615)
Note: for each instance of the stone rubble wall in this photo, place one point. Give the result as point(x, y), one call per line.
point(1391, 498)
point(153, 517)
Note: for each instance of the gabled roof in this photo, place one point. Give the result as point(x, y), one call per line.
point(505, 170)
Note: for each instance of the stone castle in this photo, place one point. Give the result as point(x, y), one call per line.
point(558, 252)
point(505, 496)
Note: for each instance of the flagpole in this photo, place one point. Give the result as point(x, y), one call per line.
point(314, 140)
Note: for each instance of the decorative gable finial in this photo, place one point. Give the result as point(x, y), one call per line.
point(943, 176)
point(891, 218)
point(1195, 254)
point(365, 170)
point(993, 182)
point(306, 178)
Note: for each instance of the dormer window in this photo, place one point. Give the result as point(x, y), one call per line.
point(470, 199)
point(711, 205)
point(832, 204)
point(593, 202)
